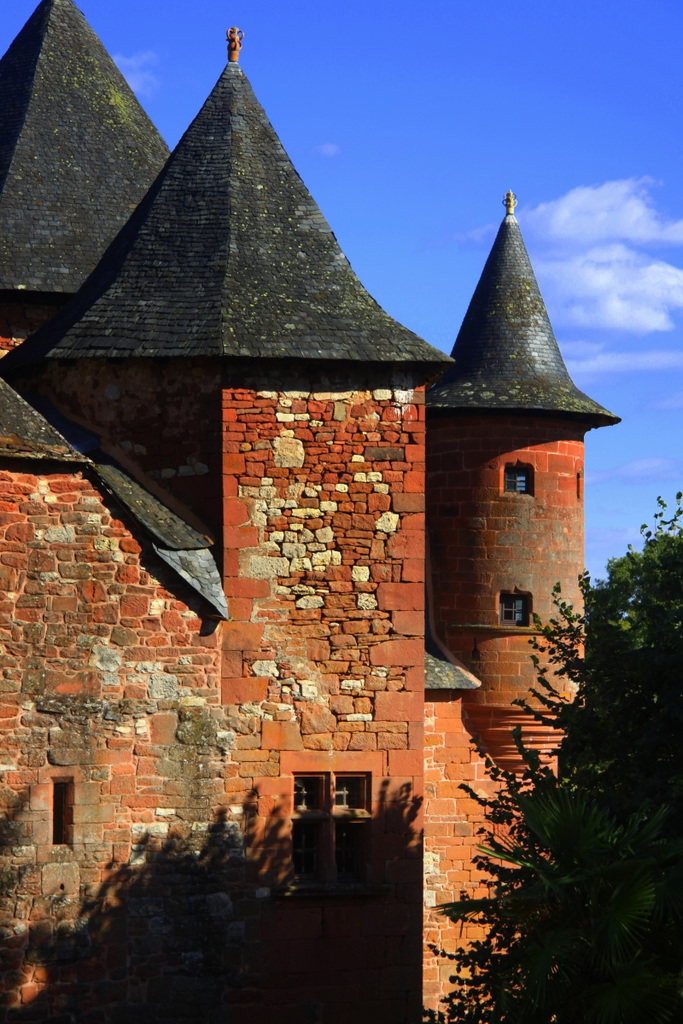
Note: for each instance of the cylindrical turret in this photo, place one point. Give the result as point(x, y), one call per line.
point(504, 484)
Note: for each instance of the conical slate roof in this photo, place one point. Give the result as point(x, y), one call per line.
point(228, 255)
point(77, 152)
point(506, 356)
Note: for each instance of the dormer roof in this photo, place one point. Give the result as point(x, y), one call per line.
point(227, 255)
point(77, 152)
point(506, 355)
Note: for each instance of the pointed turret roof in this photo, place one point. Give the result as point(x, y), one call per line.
point(77, 152)
point(506, 356)
point(227, 255)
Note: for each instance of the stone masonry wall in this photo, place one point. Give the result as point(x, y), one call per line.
point(21, 316)
point(321, 673)
point(323, 563)
point(110, 682)
point(484, 542)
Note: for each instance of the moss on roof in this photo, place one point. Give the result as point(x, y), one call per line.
point(228, 255)
point(506, 356)
point(77, 152)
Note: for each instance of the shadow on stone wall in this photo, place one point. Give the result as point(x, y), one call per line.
point(173, 937)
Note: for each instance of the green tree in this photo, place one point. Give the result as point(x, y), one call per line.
point(584, 918)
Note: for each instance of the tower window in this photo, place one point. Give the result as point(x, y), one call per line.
point(62, 811)
point(518, 479)
point(514, 610)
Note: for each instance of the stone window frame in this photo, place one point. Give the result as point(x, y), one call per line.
point(330, 832)
point(514, 609)
point(514, 473)
point(330, 765)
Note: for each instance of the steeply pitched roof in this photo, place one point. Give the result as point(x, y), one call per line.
point(228, 255)
point(77, 152)
point(25, 433)
point(506, 356)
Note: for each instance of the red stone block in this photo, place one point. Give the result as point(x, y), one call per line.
point(400, 652)
point(238, 690)
point(281, 736)
point(400, 596)
point(241, 636)
point(401, 706)
point(409, 623)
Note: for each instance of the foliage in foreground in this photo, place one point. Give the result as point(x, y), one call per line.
point(584, 921)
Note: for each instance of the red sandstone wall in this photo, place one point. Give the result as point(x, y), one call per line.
point(484, 541)
point(108, 680)
point(321, 671)
point(324, 541)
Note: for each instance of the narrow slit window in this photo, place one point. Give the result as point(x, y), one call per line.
point(514, 610)
point(62, 811)
point(579, 486)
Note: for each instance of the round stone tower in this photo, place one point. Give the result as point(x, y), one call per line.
point(504, 485)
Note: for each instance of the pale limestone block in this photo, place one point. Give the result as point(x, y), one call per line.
point(265, 668)
point(387, 522)
point(325, 535)
point(301, 565)
point(309, 602)
point(288, 451)
point(106, 659)
point(162, 686)
point(366, 602)
point(260, 567)
point(307, 513)
point(360, 573)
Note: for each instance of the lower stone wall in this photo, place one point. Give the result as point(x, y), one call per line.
point(23, 314)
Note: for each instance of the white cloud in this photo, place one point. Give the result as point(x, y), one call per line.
point(590, 254)
point(329, 149)
point(614, 211)
point(626, 362)
point(137, 70)
point(612, 286)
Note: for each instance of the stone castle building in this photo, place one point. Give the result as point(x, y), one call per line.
point(238, 687)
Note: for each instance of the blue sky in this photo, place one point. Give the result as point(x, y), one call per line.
point(408, 124)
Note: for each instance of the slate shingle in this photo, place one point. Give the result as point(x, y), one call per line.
point(228, 255)
point(506, 356)
point(77, 152)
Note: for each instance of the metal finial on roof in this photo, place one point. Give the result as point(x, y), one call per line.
point(510, 202)
point(235, 37)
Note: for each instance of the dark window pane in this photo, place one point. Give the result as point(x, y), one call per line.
point(348, 849)
point(308, 793)
point(305, 848)
point(514, 610)
point(517, 479)
point(61, 812)
point(350, 791)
